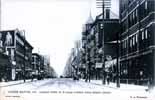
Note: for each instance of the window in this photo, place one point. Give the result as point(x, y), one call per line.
point(136, 13)
point(142, 35)
point(136, 38)
point(130, 19)
point(130, 42)
point(133, 40)
point(133, 15)
point(101, 25)
point(125, 44)
point(146, 5)
point(146, 34)
point(136, 16)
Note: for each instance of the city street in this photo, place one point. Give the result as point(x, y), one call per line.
point(68, 87)
point(71, 49)
point(54, 84)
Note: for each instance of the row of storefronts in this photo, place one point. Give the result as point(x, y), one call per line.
point(16, 57)
point(137, 41)
point(122, 48)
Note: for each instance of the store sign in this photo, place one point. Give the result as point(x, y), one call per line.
point(7, 38)
point(99, 65)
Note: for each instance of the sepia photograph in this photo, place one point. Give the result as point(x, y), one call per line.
point(77, 49)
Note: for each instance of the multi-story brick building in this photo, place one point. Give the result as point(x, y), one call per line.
point(5, 68)
point(137, 19)
point(93, 42)
point(108, 44)
point(36, 63)
point(19, 51)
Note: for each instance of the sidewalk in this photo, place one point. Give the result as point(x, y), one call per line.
point(128, 87)
point(9, 83)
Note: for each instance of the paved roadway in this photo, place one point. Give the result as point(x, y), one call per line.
point(57, 84)
point(49, 88)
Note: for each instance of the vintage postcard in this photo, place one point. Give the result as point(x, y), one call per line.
point(77, 49)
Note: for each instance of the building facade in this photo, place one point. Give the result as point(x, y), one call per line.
point(41, 67)
point(19, 52)
point(69, 71)
point(137, 19)
point(5, 67)
point(36, 58)
point(98, 46)
point(38, 65)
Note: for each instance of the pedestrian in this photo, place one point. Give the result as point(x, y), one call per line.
point(150, 86)
point(32, 76)
point(108, 79)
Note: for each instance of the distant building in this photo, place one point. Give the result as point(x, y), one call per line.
point(50, 72)
point(69, 70)
point(36, 61)
point(137, 19)
point(41, 66)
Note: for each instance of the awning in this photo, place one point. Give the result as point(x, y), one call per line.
point(110, 63)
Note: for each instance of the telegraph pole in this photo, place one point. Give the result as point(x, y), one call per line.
point(117, 62)
point(24, 57)
point(100, 4)
point(104, 4)
point(103, 65)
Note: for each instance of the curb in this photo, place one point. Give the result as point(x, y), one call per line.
point(17, 83)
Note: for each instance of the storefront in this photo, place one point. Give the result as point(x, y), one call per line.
point(5, 68)
point(137, 69)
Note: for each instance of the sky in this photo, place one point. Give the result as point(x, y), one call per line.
point(51, 26)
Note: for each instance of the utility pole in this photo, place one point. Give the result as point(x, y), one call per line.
point(118, 67)
point(100, 4)
point(103, 65)
point(24, 57)
point(104, 4)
